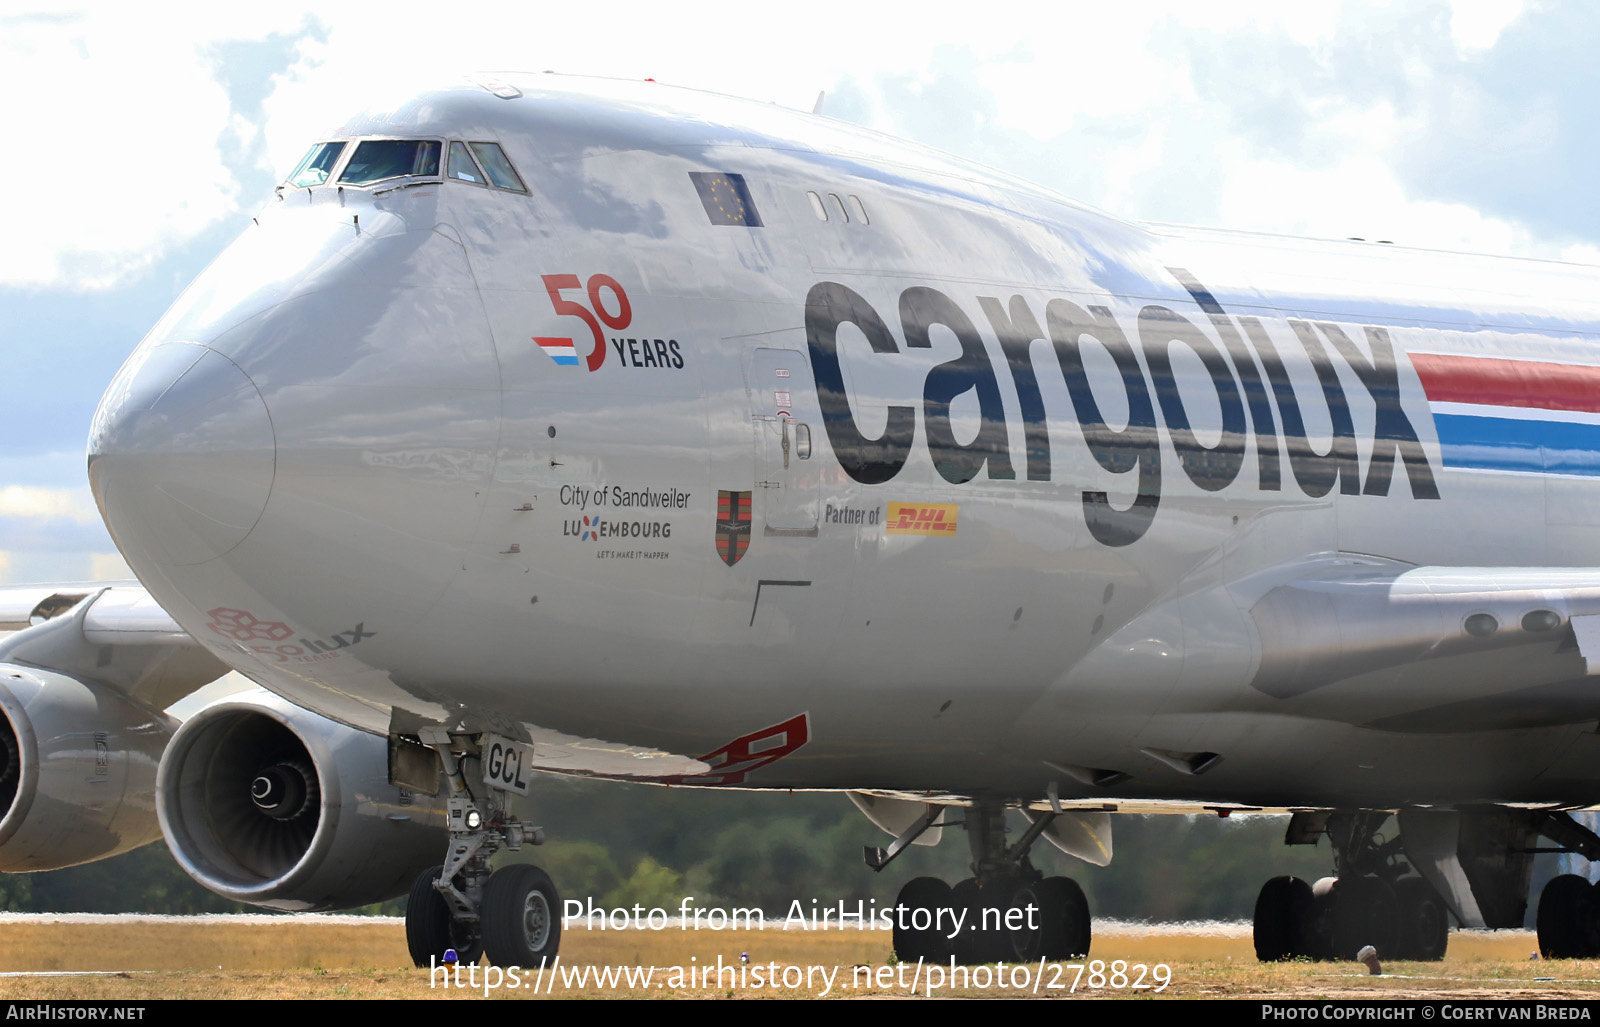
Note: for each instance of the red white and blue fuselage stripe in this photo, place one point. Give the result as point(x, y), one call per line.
point(1520, 416)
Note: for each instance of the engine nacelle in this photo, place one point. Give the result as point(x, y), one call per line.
point(78, 766)
point(267, 803)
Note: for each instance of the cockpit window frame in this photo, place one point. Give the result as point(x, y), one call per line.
point(450, 152)
point(447, 147)
point(333, 173)
point(521, 186)
point(354, 144)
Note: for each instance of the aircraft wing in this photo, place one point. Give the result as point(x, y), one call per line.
point(23, 606)
point(119, 613)
point(113, 634)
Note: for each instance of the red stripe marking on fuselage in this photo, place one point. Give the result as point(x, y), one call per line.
point(1508, 383)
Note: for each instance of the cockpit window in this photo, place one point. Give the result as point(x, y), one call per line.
point(497, 166)
point(378, 159)
point(316, 166)
point(461, 165)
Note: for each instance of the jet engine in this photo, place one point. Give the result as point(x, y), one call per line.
point(77, 770)
point(267, 803)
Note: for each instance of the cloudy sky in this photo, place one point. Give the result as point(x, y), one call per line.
point(145, 135)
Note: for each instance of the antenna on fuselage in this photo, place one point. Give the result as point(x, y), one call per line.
point(816, 108)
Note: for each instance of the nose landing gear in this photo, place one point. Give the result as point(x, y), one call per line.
point(511, 914)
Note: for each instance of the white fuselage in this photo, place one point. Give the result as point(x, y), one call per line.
point(1015, 473)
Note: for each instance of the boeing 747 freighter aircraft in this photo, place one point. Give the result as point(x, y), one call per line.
point(612, 429)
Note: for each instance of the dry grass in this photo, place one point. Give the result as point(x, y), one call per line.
point(279, 958)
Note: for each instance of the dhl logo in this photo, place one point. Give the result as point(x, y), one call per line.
point(921, 519)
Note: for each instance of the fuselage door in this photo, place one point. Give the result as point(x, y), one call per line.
point(785, 418)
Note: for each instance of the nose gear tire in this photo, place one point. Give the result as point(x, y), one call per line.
point(430, 929)
point(521, 917)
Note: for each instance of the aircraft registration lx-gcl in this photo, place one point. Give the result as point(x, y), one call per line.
point(611, 429)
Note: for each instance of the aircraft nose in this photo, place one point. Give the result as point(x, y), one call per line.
point(181, 455)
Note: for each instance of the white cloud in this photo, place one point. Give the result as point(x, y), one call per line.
point(115, 120)
point(1477, 24)
point(48, 504)
point(1361, 197)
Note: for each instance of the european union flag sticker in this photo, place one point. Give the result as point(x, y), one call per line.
point(726, 198)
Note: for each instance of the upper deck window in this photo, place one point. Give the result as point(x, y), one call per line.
point(376, 160)
point(315, 167)
point(497, 166)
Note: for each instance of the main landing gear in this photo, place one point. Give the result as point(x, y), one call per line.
point(1374, 900)
point(1569, 907)
point(1006, 912)
point(1569, 918)
point(512, 914)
